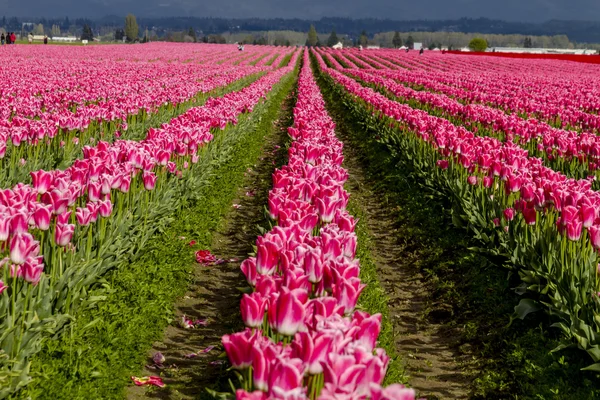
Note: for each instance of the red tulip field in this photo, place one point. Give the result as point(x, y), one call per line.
point(190, 221)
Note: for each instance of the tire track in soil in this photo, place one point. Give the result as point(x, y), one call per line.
point(427, 349)
point(213, 293)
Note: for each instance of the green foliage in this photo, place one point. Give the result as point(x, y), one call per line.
point(87, 33)
point(397, 40)
point(527, 43)
point(313, 39)
point(478, 44)
point(410, 42)
point(363, 40)
point(131, 28)
point(333, 39)
point(192, 34)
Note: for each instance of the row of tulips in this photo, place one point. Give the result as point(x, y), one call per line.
point(547, 225)
point(304, 338)
point(577, 154)
point(48, 139)
point(63, 232)
point(562, 93)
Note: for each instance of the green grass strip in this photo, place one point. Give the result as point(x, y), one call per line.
point(373, 299)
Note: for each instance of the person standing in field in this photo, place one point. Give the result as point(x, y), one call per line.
point(7, 37)
point(13, 38)
point(45, 39)
point(2, 38)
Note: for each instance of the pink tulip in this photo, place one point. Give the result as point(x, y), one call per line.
point(241, 394)
point(472, 180)
point(443, 164)
point(84, 216)
point(574, 230)
point(3, 287)
point(32, 269)
point(63, 234)
point(262, 361)
point(105, 208)
point(312, 350)
point(41, 181)
point(313, 266)
point(341, 371)
point(41, 217)
point(392, 392)
point(347, 292)
point(248, 268)
point(4, 227)
point(267, 256)
point(594, 231)
point(509, 213)
point(57, 200)
point(253, 310)
point(529, 214)
point(588, 215)
point(239, 348)
point(18, 223)
point(149, 179)
point(94, 191)
point(327, 207)
point(287, 382)
point(286, 313)
point(22, 246)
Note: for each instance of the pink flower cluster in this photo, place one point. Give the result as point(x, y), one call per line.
point(541, 189)
point(557, 91)
point(104, 88)
point(304, 338)
point(581, 147)
point(89, 185)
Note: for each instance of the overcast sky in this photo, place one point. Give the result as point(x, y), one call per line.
point(513, 10)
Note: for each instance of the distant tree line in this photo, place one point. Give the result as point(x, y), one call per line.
point(381, 32)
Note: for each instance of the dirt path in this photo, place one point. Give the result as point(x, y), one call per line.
point(432, 360)
point(213, 294)
point(428, 350)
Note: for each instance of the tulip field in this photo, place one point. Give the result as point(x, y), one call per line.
point(105, 149)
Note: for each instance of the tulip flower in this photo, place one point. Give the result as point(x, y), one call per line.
point(313, 266)
point(395, 391)
point(238, 347)
point(443, 164)
point(32, 269)
point(22, 246)
point(41, 181)
point(253, 310)
point(18, 223)
point(594, 231)
point(3, 287)
point(105, 208)
point(4, 227)
point(248, 268)
point(286, 313)
point(287, 381)
point(241, 394)
point(267, 256)
point(347, 293)
point(41, 217)
point(63, 234)
point(149, 179)
point(509, 213)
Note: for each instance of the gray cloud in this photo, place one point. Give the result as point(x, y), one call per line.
point(512, 10)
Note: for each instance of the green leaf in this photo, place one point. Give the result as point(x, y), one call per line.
point(526, 306)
